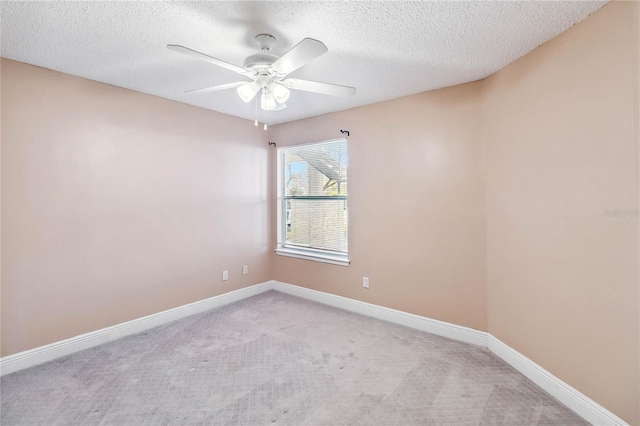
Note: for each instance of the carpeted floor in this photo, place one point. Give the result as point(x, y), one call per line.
point(277, 359)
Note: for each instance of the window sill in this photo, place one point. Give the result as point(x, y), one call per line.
point(314, 255)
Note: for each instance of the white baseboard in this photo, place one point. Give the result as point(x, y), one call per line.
point(42, 354)
point(581, 404)
point(572, 398)
point(440, 328)
point(584, 406)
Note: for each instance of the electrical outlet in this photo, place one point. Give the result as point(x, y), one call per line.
point(245, 270)
point(225, 275)
point(365, 282)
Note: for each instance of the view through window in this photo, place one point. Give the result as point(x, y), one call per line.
point(313, 181)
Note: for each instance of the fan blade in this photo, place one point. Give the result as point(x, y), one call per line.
point(317, 87)
point(301, 54)
point(206, 58)
point(217, 88)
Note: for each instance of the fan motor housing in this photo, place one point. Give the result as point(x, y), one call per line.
point(260, 62)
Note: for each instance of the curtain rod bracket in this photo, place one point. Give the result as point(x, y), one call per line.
point(344, 131)
point(272, 143)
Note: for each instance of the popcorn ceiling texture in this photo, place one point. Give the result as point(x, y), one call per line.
point(384, 49)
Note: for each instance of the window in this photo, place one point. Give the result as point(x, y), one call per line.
point(312, 195)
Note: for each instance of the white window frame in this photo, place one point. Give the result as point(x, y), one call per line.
point(306, 253)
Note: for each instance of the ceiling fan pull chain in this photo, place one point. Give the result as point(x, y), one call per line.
point(255, 123)
point(264, 119)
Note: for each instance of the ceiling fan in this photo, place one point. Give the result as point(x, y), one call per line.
point(268, 73)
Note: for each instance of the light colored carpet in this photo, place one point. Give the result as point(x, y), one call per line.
point(278, 359)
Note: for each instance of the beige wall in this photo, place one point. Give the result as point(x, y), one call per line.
point(560, 128)
point(117, 204)
point(416, 205)
point(561, 149)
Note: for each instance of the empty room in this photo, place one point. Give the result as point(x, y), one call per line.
point(320, 213)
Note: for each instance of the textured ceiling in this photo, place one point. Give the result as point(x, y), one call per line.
point(384, 49)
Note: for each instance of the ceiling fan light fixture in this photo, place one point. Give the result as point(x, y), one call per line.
point(268, 73)
point(268, 101)
point(280, 92)
point(248, 91)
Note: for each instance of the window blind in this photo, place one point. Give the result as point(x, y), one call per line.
point(314, 180)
